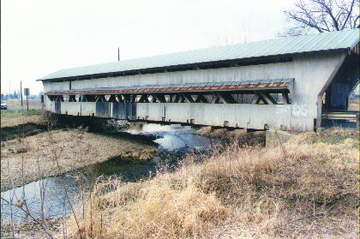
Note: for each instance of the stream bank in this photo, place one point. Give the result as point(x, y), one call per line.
point(133, 155)
point(55, 152)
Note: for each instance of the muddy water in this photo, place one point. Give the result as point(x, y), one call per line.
point(63, 191)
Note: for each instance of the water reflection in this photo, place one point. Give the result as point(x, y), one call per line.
point(172, 137)
point(62, 191)
point(46, 195)
point(54, 195)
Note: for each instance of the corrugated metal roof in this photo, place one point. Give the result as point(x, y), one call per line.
point(281, 46)
point(186, 87)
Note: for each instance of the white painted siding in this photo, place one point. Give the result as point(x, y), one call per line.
point(311, 72)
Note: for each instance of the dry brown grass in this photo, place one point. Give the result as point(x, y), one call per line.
point(239, 135)
point(305, 189)
point(13, 118)
point(354, 105)
point(152, 209)
point(73, 148)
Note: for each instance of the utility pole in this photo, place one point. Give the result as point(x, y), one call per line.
point(27, 93)
point(21, 94)
point(118, 53)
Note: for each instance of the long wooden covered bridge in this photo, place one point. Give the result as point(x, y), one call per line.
point(285, 83)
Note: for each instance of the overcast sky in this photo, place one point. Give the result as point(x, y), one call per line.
point(39, 37)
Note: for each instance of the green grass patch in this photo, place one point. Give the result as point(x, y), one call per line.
point(18, 113)
point(334, 139)
point(336, 136)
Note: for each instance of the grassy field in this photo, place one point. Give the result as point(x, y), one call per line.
point(33, 104)
point(11, 114)
point(305, 188)
point(12, 118)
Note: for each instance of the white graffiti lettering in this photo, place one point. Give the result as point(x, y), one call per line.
point(298, 110)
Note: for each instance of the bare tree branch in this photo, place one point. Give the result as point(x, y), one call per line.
point(29, 214)
point(349, 14)
point(325, 15)
point(356, 19)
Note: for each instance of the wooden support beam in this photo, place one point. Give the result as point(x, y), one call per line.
point(100, 98)
point(268, 98)
point(170, 99)
point(182, 99)
point(201, 99)
point(264, 97)
point(112, 98)
point(215, 99)
point(189, 98)
point(84, 98)
point(160, 98)
point(227, 97)
point(127, 98)
point(286, 98)
point(220, 99)
point(120, 99)
point(153, 100)
point(177, 99)
point(256, 99)
point(144, 99)
point(72, 98)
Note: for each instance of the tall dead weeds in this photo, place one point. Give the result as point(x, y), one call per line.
point(234, 191)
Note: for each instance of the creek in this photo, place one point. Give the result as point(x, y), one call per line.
point(53, 196)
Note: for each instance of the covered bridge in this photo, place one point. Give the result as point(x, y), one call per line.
point(285, 83)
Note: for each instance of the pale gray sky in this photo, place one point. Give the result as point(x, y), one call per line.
point(39, 37)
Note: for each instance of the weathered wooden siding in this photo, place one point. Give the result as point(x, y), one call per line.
point(311, 73)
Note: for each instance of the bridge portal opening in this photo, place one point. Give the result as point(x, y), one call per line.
point(340, 102)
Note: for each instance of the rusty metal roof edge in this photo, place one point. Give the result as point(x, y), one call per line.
point(174, 86)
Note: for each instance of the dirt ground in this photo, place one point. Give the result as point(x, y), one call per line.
point(59, 151)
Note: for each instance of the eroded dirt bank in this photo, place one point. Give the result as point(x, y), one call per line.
point(55, 152)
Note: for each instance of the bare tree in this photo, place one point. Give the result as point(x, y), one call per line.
point(324, 15)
